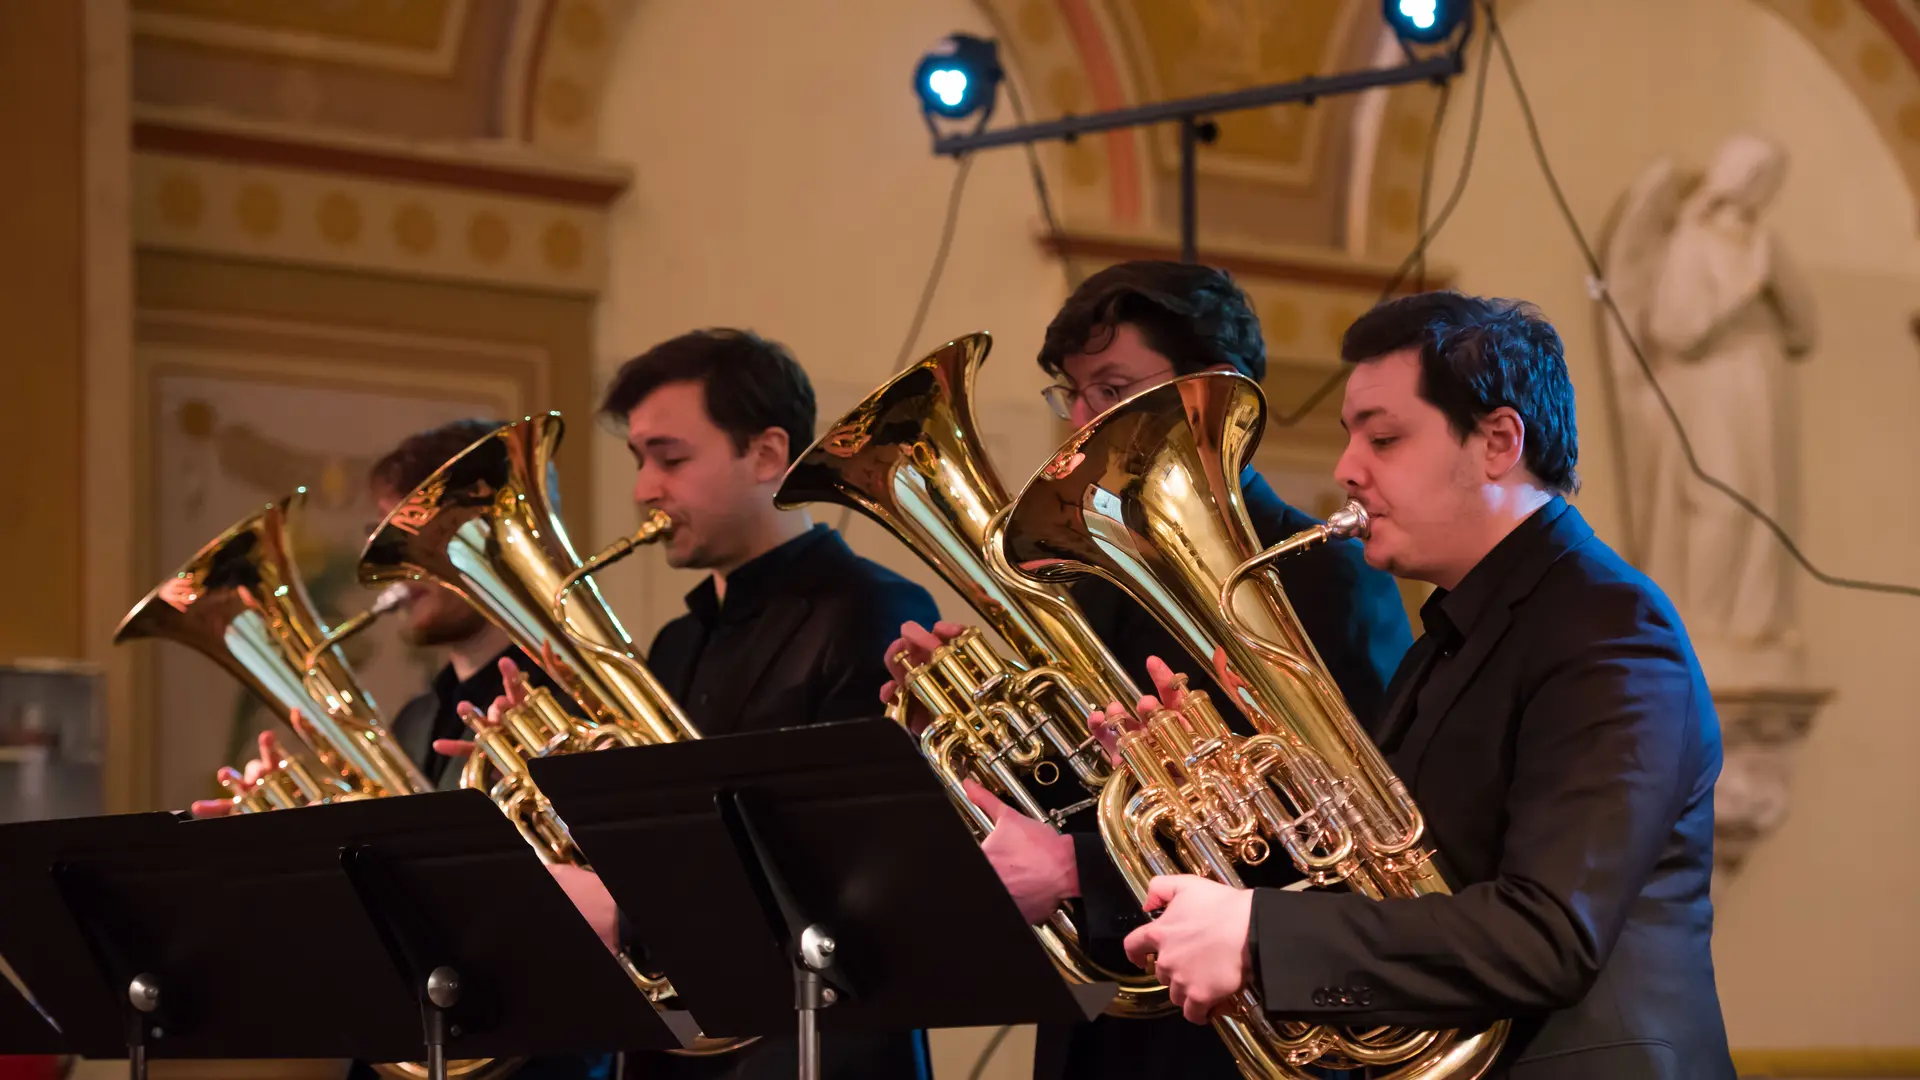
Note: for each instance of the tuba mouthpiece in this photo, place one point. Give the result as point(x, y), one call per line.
point(391, 598)
point(1350, 521)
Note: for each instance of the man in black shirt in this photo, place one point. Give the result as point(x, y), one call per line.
point(1552, 725)
point(786, 629)
point(1126, 330)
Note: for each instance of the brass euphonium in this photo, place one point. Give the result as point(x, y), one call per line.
point(487, 525)
point(909, 457)
point(241, 602)
point(1148, 496)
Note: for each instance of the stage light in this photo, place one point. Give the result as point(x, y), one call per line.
point(958, 77)
point(1424, 21)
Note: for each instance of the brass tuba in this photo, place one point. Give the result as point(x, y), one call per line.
point(241, 602)
point(487, 525)
point(909, 457)
point(1148, 496)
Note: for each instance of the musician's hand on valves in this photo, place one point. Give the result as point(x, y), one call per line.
point(516, 695)
point(583, 887)
point(1107, 724)
point(240, 782)
point(1198, 946)
point(1035, 862)
point(915, 645)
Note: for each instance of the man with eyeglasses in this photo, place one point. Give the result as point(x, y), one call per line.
point(1125, 330)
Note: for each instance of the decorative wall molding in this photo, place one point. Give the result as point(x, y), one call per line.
point(560, 95)
point(284, 214)
point(412, 37)
point(499, 168)
point(1829, 1063)
point(1182, 50)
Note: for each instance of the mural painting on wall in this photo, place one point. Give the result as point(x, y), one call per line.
point(223, 446)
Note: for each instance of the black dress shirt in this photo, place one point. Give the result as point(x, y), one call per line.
point(799, 638)
point(435, 715)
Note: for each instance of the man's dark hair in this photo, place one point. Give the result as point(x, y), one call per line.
point(1478, 355)
point(1193, 315)
point(751, 384)
point(408, 465)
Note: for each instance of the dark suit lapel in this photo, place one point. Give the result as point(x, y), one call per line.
point(1452, 677)
point(1390, 721)
point(774, 631)
point(1454, 674)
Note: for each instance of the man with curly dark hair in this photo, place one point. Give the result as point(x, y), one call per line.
point(1126, 330)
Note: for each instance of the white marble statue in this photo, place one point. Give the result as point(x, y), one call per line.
point(1720, 313)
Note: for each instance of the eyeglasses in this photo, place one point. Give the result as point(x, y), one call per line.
point(1099, 396)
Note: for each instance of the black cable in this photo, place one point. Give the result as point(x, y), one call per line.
point(1418, 254)
point(964, 166)
point(1040, 186)
point(1426, 184)
point(1633, 345)
point(986, 1055)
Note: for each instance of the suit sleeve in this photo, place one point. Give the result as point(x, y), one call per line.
point(1608, 752)
point(854, 664)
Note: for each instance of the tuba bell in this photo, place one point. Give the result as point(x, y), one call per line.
point(241, 602)
point(487, 525)
point(909, 457)
point(1148, 496)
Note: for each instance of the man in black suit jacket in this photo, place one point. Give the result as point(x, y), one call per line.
point(788, 626)
point(1552, 725)
point(1125, 330)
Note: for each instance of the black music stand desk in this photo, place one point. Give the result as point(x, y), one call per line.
point(50, 951)
point(413, 928)
point(736, 857)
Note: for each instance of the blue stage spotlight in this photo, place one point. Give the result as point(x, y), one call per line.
point(958, 77)
point(1424, 22)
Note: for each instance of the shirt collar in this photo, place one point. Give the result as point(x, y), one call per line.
point(1449, 616)
point(752, 582)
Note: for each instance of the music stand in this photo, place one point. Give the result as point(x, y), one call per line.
point(24, 1029)
point(804, 868)
point(73, 966)
point(368, 929)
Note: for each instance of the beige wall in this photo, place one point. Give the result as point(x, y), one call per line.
point(42, 295)
point(783, 182)
point(1815, 940)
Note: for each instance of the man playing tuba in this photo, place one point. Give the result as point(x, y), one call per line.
point(1125, 330)
point(1552, 724)
point(784, 630)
